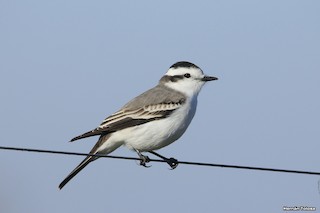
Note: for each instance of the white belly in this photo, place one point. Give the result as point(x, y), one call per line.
point(159, 133)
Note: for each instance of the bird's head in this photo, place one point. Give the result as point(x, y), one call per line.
point(185, 77)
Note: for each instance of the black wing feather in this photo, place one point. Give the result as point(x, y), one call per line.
point(119, 125)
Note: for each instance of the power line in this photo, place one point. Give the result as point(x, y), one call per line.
point(162, 161)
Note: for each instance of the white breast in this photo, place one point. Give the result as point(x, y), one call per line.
point(159, 133)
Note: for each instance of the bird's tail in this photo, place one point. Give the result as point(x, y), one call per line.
point(83, 164)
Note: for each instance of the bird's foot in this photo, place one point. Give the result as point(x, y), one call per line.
point(143, 160)
point(173, 163)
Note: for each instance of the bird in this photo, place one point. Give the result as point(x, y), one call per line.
point(152, 120)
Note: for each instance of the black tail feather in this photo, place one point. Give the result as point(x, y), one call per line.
point(83, 164)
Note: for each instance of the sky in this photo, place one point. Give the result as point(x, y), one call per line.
point(66, 65)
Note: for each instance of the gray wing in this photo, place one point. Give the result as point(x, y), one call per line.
point(156, 103)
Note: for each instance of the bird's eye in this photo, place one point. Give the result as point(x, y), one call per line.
point(187, 75)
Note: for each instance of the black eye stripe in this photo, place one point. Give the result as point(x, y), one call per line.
point(174, 78)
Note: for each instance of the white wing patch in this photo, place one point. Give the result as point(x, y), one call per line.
point(147, 112)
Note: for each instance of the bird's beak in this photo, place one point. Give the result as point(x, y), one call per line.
point(209, 78)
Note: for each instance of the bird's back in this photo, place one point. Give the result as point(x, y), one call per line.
point(159, 94)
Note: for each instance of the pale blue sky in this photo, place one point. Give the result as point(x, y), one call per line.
point(66, 65)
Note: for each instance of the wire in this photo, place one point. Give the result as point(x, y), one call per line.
point(162, 161)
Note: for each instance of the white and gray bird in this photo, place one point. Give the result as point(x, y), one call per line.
point(151, 121)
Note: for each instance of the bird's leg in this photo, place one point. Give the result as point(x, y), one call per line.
point(173, 163)
point(143, 159)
